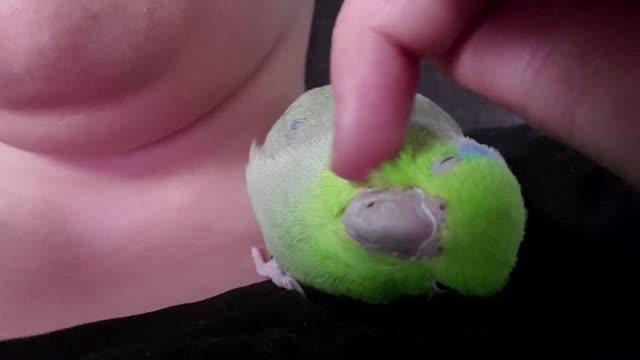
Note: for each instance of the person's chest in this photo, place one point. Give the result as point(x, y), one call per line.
point(78, 245)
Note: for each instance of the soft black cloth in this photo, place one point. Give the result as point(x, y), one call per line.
point(572, 292)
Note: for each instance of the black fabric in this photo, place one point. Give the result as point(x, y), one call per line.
point(572, 292)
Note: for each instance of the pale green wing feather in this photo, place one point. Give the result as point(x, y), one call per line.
point(294, 154)
point(310, 117)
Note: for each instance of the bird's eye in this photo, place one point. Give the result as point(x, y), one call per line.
point(440, 287)
point(445, 164)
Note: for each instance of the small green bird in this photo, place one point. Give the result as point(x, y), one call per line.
point(445, 213)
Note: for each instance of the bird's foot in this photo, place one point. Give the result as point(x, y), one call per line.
point(272, 270)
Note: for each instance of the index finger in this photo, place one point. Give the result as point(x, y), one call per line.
point(376, 51)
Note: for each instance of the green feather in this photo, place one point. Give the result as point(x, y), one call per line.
point(480, 238)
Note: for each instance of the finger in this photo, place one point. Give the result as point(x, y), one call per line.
point(376, 50)
point(569, 69)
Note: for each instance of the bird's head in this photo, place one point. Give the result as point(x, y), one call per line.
point(453, 206)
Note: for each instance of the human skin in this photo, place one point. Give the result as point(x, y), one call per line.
point(124, 131)
point(570, 68)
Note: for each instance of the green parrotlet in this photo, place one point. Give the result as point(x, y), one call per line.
point(445, 213)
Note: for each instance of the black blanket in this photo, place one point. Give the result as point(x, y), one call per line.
point(572, 293)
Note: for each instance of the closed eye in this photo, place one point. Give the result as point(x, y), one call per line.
point(445, 164)
point(447, 159)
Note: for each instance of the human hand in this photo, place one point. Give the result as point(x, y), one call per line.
point(569, 67)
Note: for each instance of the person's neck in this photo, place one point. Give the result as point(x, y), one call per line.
point(90, 239)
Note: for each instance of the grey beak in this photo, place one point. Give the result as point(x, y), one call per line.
point(400, 223)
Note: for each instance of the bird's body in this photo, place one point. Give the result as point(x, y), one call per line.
point(324, 232)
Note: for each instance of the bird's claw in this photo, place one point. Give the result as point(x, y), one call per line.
point(271, 269)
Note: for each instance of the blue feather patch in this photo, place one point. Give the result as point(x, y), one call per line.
point(296, 125)
point(469, 148)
